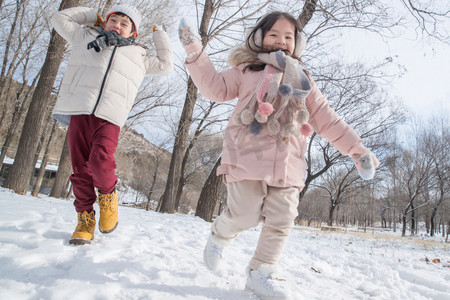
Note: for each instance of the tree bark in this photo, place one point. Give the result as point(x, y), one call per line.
point(168, 199)
point(40, 177)
point(170, 193)
point(149, 197)
point(59, 189)
point(19, 174)
point(307, 12)
point(209, 195)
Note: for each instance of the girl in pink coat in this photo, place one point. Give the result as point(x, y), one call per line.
point(263, 162)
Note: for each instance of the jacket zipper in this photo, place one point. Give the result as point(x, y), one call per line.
point(104, 79)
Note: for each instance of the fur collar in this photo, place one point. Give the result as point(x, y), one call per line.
point(242, 54)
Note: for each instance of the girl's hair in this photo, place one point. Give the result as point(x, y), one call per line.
point(252, 41)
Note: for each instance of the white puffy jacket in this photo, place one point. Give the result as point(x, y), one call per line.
point(104, 83)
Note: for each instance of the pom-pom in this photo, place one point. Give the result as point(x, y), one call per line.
point(236, 119)
point(300, 93)
point(306, 129)
point(265, 109)
point(288, 130)
point(302, 116)
point(285, 90)
point(247, 116)
point(273, 126)
point(255, 128)
point(260, 119)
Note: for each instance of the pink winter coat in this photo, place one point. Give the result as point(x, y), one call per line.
point(279, 161)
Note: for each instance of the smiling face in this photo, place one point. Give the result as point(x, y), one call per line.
point(120, 24)
point(281, 36)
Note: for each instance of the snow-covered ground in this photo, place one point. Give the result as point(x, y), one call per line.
point(159, 256)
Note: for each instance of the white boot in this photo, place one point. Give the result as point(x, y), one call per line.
point(212, 254)
point(264, 283)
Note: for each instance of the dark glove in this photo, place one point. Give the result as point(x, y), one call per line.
point(109, 38)
point(98, 44)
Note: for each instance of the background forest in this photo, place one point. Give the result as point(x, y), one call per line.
point(170, 148)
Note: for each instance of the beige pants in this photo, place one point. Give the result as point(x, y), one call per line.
point(250, 202)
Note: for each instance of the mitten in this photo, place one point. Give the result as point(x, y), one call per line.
point(111, 38)
point(189, 40)
point(365, 163)
point(99, 20)
point(159, 28)
point(98, 44)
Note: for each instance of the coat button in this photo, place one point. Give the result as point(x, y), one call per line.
point(285, 139)
point(280, 181)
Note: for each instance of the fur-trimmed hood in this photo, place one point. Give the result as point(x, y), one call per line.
point(242, 54)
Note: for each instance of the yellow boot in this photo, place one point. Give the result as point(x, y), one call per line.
point(84, 232)
point(109, 211)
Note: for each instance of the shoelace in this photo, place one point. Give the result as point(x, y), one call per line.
point(85, 220)
point(104, 201)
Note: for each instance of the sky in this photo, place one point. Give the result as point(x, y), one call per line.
point(423, 87)
point(159, 256)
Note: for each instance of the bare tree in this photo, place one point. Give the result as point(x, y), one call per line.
point(431, 18)
point(336, 186)
point(59, 188)
point(212, 14)
point(19, 174)
point(437, 142)
point(416, 169)
point(205, 207)
point(44, 161)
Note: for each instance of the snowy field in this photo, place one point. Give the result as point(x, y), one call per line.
point(159, 256)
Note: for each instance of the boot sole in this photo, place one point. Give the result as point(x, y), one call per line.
point(251, 291)
point(108, 231)
point(79, 242)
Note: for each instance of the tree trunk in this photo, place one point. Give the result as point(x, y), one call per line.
point(19, 174)
point(59, 188)
point(149, 197)
point(404, 225)
point(330, 214)
point(448, 231)
point(413, 219)
point(16, 118)
point(307, 12)
point(69, 193)
point(209, 195)
point(168, 199)
point(40, 177)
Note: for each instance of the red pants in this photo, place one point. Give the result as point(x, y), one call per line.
point(92, 144)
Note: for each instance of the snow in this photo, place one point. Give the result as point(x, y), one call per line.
point(159, 256)
point(49, 166)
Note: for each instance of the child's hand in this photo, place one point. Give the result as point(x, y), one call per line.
point(159, 28)
point(99, 20)
point(365, 164)
point(190, 41)
point(107, 39)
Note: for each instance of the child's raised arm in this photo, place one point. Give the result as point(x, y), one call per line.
point(215, 86)
point(68, 22)
point(162, 63)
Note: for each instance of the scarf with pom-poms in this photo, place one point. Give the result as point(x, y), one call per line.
point(284, 76)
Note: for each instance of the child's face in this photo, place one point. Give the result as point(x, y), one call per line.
point(121, 25)
point(280, 37)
